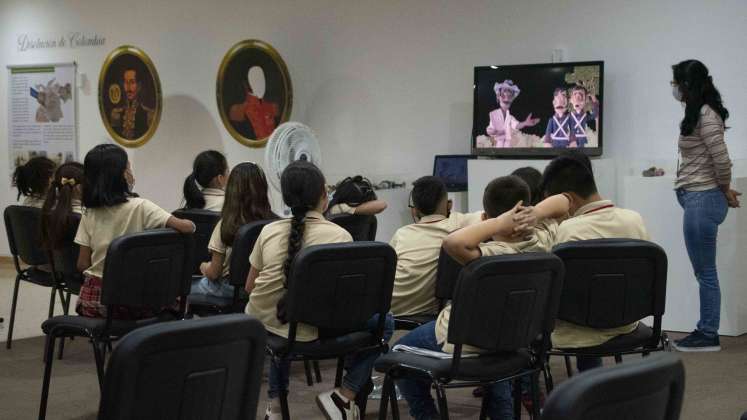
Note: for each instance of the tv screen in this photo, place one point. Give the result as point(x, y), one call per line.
point(538, 109)
point(452, 169)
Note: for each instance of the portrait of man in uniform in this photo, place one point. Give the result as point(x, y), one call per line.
point(131, 118)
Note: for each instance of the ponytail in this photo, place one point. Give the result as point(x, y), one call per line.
point(193, 193)
point(207, 165)
point(32, 178)
point(57, 211)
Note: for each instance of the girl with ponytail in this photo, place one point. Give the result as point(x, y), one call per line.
point(32, 180)
point(203, 188)
point(63, 199)
point(303, 189)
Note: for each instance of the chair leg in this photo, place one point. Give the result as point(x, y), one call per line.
point(535, 414)
point(516, 395)
point(317, 372)
point(62, 347)
point(568, 367)
point(284, 405)
point(393, 400)
point(98, 350)
point(618, 359)
point(484, 407)
point(338, 372)
point(549, 385)
point(13, 312)
point(443, 407)
point(385, 397)
point(48, 358)
point(307, 369)
point(66, 308)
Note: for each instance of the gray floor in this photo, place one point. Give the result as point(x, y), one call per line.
point(716, 384)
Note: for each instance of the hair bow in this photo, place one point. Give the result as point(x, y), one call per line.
point(66, 181)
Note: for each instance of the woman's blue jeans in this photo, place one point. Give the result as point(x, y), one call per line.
point(704, 211)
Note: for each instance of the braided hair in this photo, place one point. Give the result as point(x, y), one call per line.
point(303, 186)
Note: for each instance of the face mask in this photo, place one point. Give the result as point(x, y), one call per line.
point(677, 93)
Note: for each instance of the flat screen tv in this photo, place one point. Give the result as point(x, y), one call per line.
point(538, 110)
point(452, 169)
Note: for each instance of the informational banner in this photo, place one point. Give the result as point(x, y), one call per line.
point(42, 113)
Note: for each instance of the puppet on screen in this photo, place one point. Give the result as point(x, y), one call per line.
point(502, 123)
point(558, 133)
point(580, 117)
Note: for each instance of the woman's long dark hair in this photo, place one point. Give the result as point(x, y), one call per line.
point(32, 178)
point(105, 183)
point(207, 165)
point(303, 186)
point(246, 200)
point(57, 212)
point(697, 89)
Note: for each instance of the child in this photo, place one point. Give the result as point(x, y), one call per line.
point(32, 180)
point(558, 133)
point(419, 244)
point(112, 211)
point(579, 117)
point(502, 123)
point(246, 202)
point(533, 178)
point(303, 190)
point(355, 196)
point(203, 188)
point(591, 218)
point(63, 199)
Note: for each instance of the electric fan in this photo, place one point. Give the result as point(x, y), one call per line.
point(290, 142)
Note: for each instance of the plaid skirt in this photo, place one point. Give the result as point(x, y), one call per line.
point(89, 303)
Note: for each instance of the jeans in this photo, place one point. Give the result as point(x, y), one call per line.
point(417, 390)
point(704, 211)
point(205, 286)
point(358, 366)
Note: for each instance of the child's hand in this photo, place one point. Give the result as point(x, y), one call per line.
point(203, 268)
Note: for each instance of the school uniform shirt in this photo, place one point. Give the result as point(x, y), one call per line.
point(417, 246)
point(33, 201)
point(268, 257)
point(597, 220)
point(77, 206)
point(101, 225)
point(214, 198)
point(341, 208)
point(541, 241)
point(216, 245)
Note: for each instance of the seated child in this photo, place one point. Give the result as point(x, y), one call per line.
point(112, 211)
point(246, 202)
point(355, 196)
point(204, 187)
point(592, 217)
point(63, 200)
point(32, 180)
point(533, 178)
point(303, 190)
point(419, 244)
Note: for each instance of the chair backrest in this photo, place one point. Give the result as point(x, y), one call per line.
point(648, 389)
point(205, 221)
point(612, 282)
point(65, 257)
point(361, 228)
point(341, 286)
point(243, 244)
point(446, 276)
point(23, 226)
point(505, 302)
point(208, 368)
point(151, 268)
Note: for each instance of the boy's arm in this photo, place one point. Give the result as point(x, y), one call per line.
point(553, 207)
point(463, 244)
point(371, 207)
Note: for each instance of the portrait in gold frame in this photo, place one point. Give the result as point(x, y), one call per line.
point(254, 92)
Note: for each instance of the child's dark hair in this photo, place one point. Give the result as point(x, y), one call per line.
point(57, 212)
point(207, 165)
point(353, 191)
point(533, 178)
point(105, 183)
point(32, 178)
point(302, 185)
point(427, 194)
point(569, 172)
point(246, 200)
point(502, 194)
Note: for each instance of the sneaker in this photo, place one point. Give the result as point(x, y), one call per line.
point(697, 341)
point(334, 406)
point(273, 414)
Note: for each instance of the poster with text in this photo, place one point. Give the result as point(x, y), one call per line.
point(41, 113)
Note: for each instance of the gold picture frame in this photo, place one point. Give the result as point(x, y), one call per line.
point(248, 114)
point(130, 99)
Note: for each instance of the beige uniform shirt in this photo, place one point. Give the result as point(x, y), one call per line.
point(99, 226)
point(268, 257)
point(418, 246)
point(341, 208)
point(214, 198)
point(216, 245)
point(541, 241)
point(77, 207)
point(33, 201)
point(596, 220)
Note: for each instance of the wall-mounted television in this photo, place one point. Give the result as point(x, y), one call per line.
point(538, 110)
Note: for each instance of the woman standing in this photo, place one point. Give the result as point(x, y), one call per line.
point(703, 190)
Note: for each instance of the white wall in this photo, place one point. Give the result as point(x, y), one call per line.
point(386, 84)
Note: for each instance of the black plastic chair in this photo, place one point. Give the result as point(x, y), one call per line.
point(504, 305)
point(207, 368)
point(205, 221)
point(611, 283)
point(242, 247)
point(446, 278)
point(23, 227)
point(337, 288)
point(150, 268)
point(648, 389)
point(361, 227)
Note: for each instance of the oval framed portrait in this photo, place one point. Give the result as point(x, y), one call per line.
point(254, 92)
point(129, 96)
